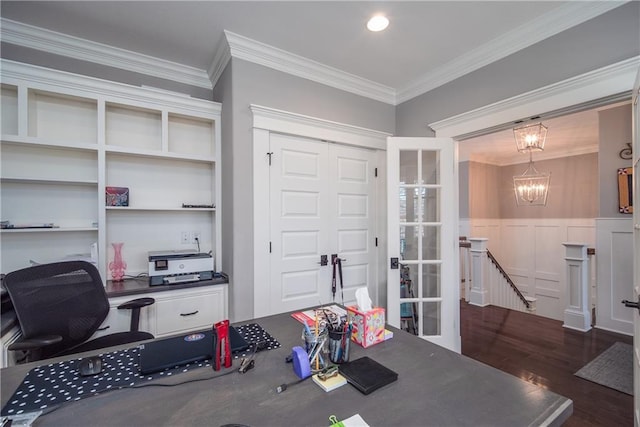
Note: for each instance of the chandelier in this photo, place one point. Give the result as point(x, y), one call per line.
point(530, 137)
point(532, 187)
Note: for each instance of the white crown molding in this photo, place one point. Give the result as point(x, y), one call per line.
point(605, 81)
point(37, 38)
point(286, 122)
point(260, 53)
point(545, 26)
point(220, 61)
point(46, 79)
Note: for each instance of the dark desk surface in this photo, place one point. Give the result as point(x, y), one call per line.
point(136, 286)
point(435, 387)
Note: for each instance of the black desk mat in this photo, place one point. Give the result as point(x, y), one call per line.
point(57, 383)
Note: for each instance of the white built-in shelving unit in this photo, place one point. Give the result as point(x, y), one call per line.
point(66, 137)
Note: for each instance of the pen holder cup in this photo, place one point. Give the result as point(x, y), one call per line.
point(339, 346)
point(317, 347)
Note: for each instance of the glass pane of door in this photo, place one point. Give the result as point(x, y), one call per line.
point(420, 240)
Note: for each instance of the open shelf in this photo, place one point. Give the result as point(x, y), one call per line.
point(159, 209)
point(48, 230)
point(62, 117)
point(133, 128)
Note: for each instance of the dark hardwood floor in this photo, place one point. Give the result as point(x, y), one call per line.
point(541, 351)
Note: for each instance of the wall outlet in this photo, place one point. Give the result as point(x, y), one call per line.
point(184, 238)
point(195, 235)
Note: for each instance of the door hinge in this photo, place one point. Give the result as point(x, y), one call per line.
point(269, 247)
point(270, 153)
point(375, 172)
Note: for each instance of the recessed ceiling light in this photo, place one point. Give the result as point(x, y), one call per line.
point(378, 23)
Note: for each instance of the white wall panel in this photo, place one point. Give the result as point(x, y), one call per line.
point(531, 252)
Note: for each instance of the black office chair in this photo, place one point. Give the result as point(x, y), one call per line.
point(61, 305)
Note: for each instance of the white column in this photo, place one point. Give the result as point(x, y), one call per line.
point(577, 314)
point(479, 272)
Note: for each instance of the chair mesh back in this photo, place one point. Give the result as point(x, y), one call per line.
point(65, 298)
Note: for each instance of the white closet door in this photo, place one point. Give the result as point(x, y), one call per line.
point(322, 202)
point(299, 205)
point(352, 210)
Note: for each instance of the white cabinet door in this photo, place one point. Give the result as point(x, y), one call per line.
point(422, 218)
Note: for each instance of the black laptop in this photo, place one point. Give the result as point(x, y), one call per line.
point(180, 350)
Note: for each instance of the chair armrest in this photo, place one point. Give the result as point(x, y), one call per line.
point(135, 306)
point(35, 342)
point(136, 303)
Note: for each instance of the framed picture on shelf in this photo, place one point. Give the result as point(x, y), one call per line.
point(117, 196)
point(625, 188)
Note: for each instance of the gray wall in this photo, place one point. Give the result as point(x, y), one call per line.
point(615, 133)
point(483, 190)
point(573, 189)
point(255, 84)
point(223, 93)
point(604, 40)
point(463, 189)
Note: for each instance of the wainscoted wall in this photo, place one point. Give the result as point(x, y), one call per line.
point(614, 265)
point(531, 252)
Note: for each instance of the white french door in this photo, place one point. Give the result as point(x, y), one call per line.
point(321, 203)
point(636, 244)
point(422, 214)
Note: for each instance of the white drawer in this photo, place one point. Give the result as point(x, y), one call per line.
point(189, 313)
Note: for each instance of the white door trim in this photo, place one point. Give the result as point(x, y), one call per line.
point(311, 127)
point(610, 80)
point(267, 120)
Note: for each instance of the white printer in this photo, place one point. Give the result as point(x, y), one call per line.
point(179, 266)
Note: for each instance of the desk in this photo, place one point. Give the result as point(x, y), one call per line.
point(435, 387)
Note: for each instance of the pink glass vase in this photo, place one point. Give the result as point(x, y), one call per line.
point(117, 266)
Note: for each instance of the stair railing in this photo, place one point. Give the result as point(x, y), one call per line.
point(508, 279)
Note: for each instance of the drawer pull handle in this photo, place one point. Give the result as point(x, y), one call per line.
point(104, 329)
point(189, 314)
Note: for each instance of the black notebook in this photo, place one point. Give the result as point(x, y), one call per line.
point(169, 352)
point(367, 375)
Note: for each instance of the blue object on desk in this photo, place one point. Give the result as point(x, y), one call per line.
point(301, 365)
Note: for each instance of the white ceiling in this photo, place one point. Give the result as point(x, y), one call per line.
point(427, 43)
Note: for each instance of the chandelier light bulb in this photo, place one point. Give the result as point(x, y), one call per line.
point(378, 23)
